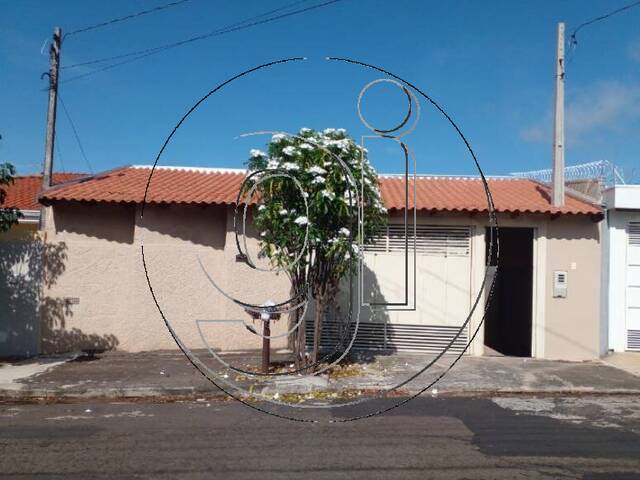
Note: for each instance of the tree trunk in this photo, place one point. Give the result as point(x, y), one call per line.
point(298, 342)
point(320, 308)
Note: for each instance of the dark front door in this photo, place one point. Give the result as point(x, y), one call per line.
point(508, 320)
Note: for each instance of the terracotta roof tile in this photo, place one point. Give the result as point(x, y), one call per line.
point(213, 186)
point(23, 193)
point(469, 195)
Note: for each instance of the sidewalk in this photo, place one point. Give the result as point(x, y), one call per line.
point(166, 376)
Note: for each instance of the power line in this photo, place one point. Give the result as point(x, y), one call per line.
point(174, 44)
point(127, 17)
point(57, 143)
point(75, 133)
point(573, 40)
point(153, 51)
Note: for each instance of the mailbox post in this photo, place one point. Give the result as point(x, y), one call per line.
point(266, 315)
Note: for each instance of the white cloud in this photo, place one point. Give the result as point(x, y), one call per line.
point(604, 106)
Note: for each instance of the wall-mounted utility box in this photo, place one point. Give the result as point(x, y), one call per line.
point(560, 282)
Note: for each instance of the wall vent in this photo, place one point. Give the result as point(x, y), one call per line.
point(391, 337)
point(634, 234)
point(633, 340)
point(436, 240)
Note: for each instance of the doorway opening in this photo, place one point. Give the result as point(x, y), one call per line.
point(507, 328)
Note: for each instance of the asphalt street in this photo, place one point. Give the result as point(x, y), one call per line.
point(470, 438)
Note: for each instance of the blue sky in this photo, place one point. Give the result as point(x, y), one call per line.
point(489, 64)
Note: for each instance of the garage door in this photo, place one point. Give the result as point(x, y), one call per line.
point(425, 318)
point(633, 287)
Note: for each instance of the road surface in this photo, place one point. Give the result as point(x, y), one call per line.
point(481, 438)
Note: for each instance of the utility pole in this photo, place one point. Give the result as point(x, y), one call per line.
point(557, 183)
point(54, 57)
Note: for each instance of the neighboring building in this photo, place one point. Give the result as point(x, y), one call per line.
point(546, 302)
point(621, 267)
point(21, 268)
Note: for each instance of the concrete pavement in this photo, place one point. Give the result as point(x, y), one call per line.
point(627, 361)
point(170, 375)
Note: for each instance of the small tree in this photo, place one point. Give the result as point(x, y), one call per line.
point(332, 214)
point(8, 216)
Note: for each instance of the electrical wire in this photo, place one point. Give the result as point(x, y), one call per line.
point(57, 144)
point(174, 44)
point(75, 133)
point(573, 40)
point(126, 17)
point(153, 51)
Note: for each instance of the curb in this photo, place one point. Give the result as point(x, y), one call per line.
point(141, 394)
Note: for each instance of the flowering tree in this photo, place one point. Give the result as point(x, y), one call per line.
point(8, 216)
point(320, 206)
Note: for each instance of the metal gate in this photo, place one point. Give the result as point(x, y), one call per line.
point(633, 287)
point(442, 285)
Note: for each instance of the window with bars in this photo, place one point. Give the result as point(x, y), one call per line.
point(436, 240)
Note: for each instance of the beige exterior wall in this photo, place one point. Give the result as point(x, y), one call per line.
point(102, 296)
point(103, 269)
point(573, 324)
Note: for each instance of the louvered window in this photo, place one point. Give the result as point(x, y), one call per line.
point(634, 234)
point(445, 241)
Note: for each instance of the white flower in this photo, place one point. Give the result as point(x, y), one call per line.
point(261, 207)
point(341, 130)
point(344, 231)
point(290, 151)
point(263, 234)
point(317, 180)
point(305, 195)
point(305, 130)
point(347, 256)
point(278, 137)
point(328, 194)
point(273, 163)
point(302, 220)
point(255, 153)
point(306, 146)
point(329, 131)
point(382, 209)
point(290, 166)
point(355, 249)
point(317, 170)
point(343, 144)
point(283, 211)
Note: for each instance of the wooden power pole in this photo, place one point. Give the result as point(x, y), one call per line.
point(557, 182)
point(54, 57)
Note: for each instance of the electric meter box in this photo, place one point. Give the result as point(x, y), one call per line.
point(560, 281)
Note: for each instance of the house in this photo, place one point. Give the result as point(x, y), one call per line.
point(545, 304)
point(21, 269)
point(621, 268)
